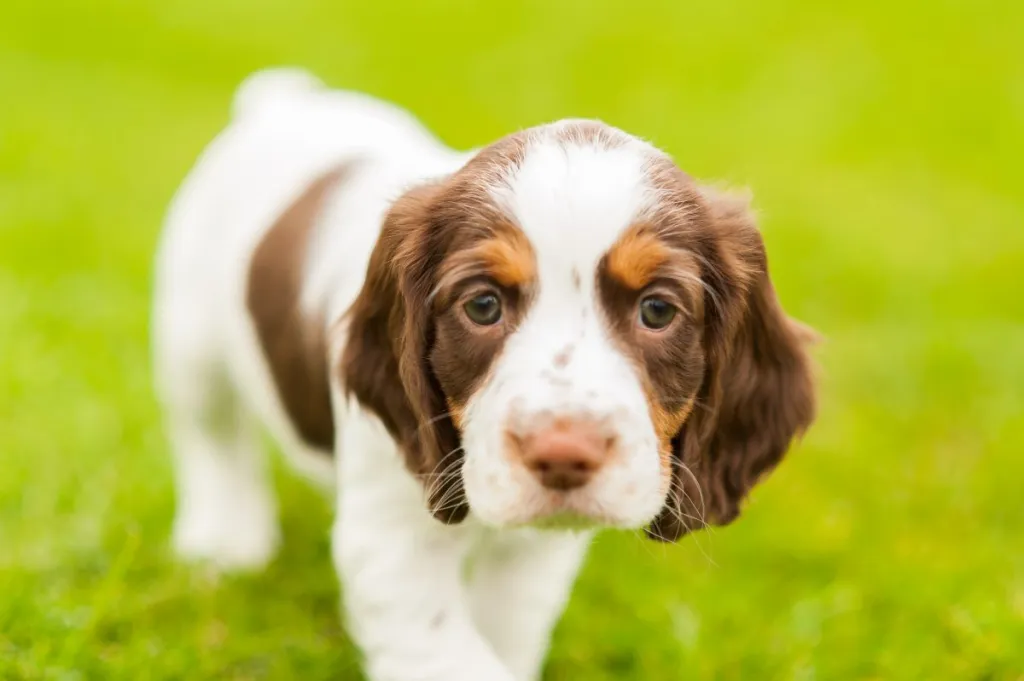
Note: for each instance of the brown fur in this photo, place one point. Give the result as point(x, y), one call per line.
point(654, 257)
point(293, 345)
point(729, 382)
point(670, 362)
point(757, 390)
point(412, 356)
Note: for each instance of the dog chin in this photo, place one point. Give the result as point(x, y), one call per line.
point(567, 513)
point(567, 520)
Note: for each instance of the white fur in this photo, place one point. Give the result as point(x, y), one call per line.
point(424, 601)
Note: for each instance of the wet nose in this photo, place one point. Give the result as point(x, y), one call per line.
point(567, 456)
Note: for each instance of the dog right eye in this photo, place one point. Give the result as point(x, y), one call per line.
point(484, 309)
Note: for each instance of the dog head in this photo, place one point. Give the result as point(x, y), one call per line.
point(570, 331)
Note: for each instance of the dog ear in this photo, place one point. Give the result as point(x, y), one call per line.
point(758, 389)
point(385, 363)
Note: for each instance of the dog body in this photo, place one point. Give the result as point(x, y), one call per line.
point(486, 354)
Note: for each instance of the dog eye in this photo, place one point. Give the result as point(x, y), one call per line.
point(656, 313)
point(484, 309)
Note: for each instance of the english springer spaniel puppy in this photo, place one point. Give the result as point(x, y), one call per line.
point(488, 355)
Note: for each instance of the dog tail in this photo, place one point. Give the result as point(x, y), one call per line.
point(270, 86)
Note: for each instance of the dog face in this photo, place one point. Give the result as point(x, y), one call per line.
point(570, 331)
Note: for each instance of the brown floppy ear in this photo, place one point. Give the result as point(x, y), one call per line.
point(385, 363)
point(758, 389)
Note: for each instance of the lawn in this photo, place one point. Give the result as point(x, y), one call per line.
point(883, 141)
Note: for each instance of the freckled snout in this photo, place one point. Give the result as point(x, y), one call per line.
point(564, 456)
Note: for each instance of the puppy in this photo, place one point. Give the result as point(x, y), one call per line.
point(487, 355)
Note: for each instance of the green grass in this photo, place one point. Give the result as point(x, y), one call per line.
point(883, 140)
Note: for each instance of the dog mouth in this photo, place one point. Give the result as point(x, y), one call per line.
point(515, 499)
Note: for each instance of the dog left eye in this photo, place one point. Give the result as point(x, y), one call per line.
point(656, 313)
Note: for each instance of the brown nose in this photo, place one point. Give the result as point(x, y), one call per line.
point(565, 457)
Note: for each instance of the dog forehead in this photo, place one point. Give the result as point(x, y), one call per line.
point(577, 186)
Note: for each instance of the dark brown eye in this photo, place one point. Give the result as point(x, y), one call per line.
point(484, 309)
point(656, 313)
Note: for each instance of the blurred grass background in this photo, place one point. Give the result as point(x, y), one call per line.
point(883, 140)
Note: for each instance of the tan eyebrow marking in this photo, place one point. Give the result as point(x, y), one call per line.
point(635, 259)
point(507, 256)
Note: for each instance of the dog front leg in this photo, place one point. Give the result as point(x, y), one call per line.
point(401, 570)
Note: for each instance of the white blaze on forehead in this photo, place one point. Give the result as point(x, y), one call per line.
point(573, 198)
point(578, 187)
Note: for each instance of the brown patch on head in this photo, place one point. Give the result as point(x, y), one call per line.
point(492, 165)
point(293, 343)
point(413, 356)
point(563, 357)
point(731, 350)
